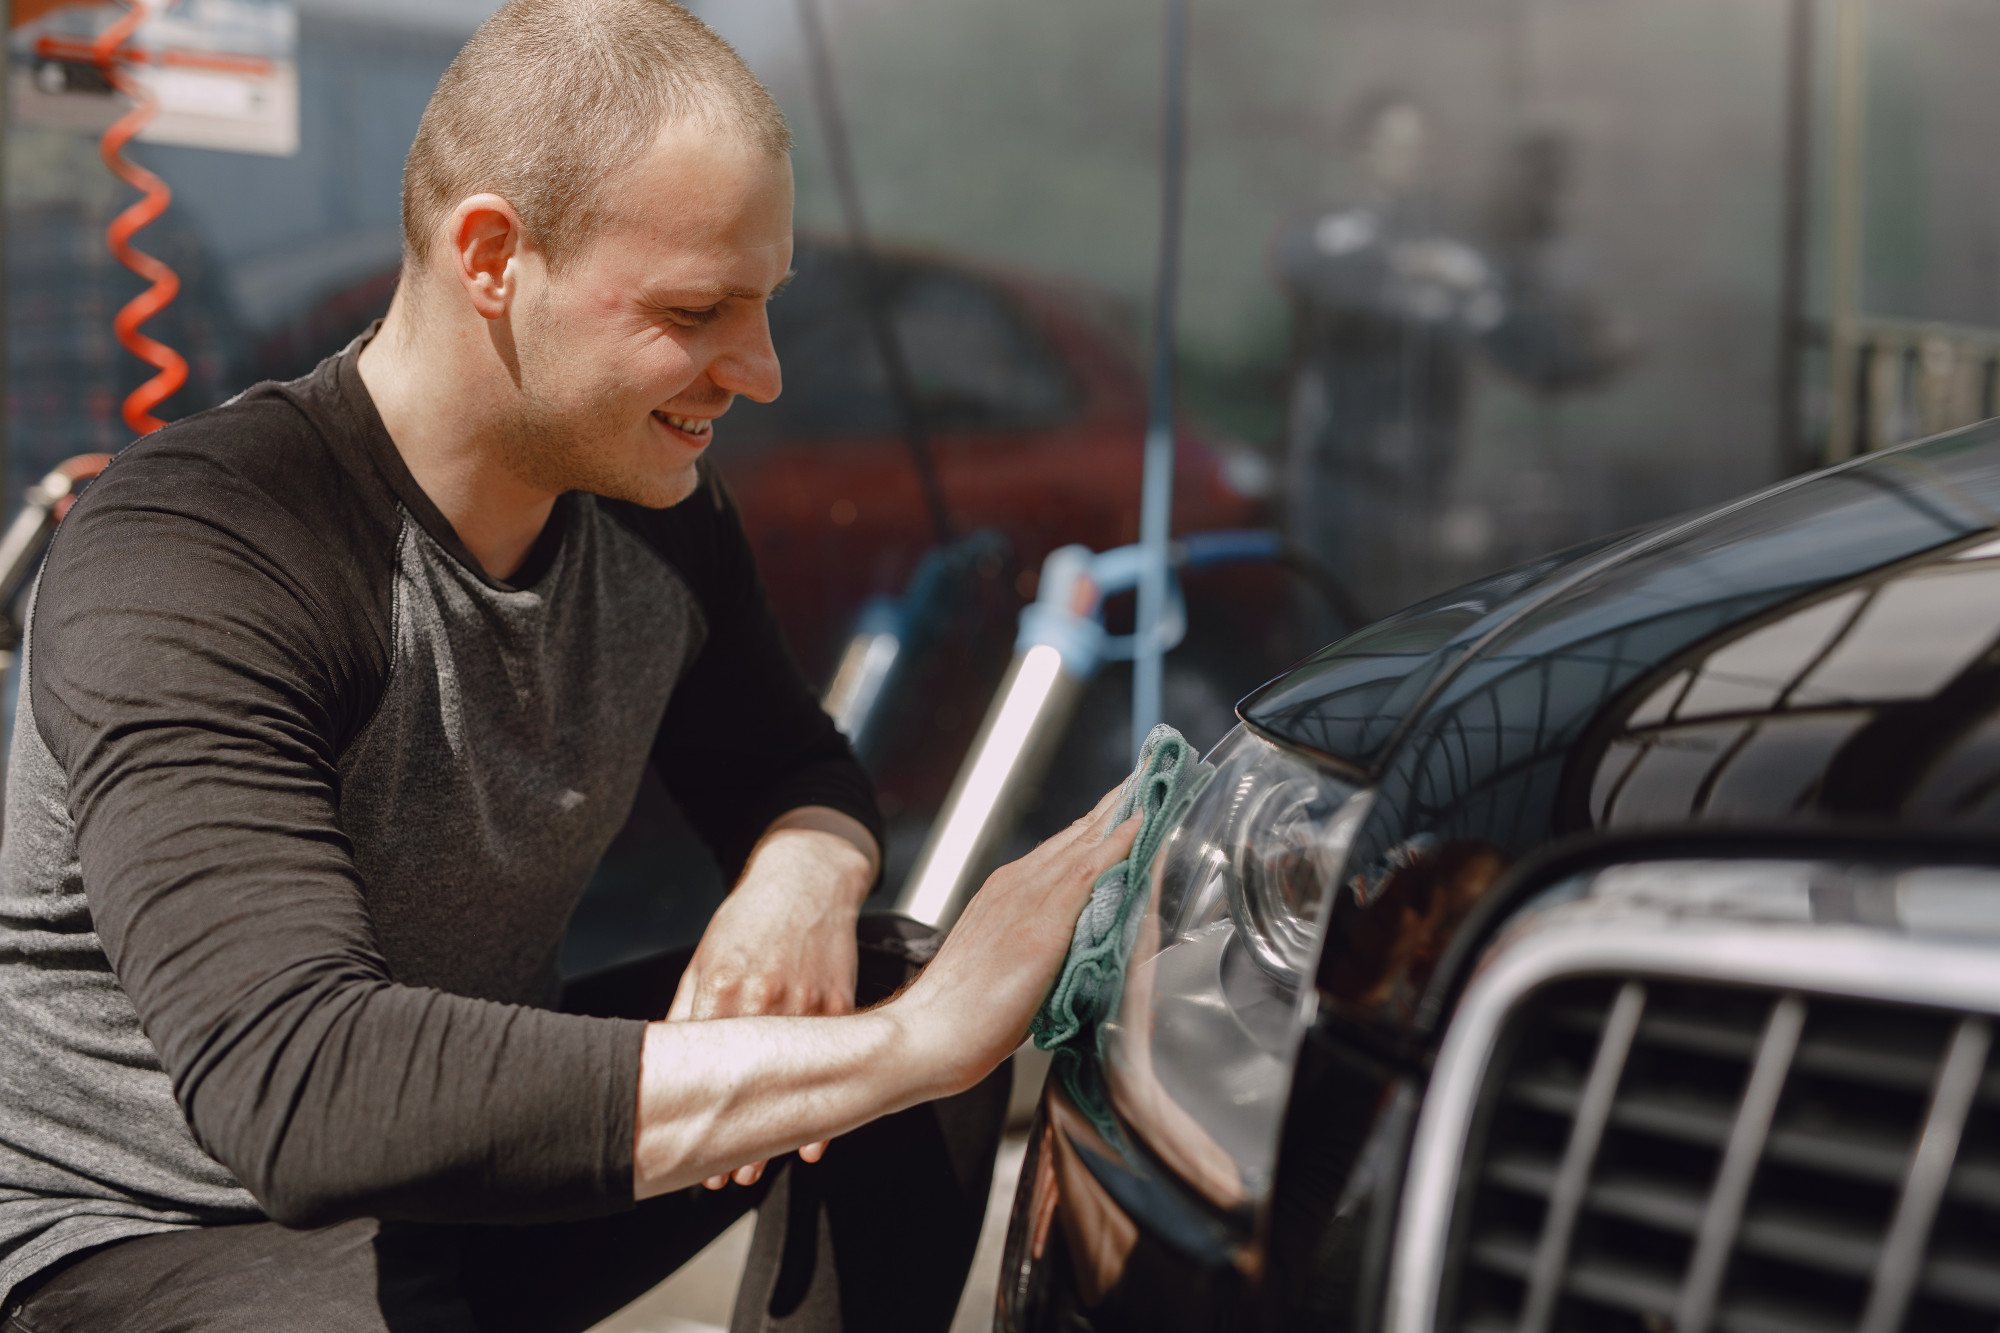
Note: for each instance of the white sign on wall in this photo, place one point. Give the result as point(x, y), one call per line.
point(224, 73)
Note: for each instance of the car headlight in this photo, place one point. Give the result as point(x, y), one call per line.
point(1198, 1058)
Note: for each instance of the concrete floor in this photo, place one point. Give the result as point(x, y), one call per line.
point(699, 1298)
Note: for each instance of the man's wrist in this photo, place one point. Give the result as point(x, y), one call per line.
point(715, 1096)
point(827, 820)
point(828, 869)
point(815, 857)
point(927, 1055)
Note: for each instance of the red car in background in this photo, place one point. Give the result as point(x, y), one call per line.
point(1034, 409)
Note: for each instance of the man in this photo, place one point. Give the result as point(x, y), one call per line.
point(332, 699)
point(1391, 308)
point(1386, 304)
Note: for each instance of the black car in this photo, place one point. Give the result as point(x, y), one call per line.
point(1611, 944)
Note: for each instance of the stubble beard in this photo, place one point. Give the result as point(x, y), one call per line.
point(557, 453)
point(578, 448)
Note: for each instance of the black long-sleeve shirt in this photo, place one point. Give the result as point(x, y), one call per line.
point(299, 805)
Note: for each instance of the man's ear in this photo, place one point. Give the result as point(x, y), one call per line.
point(484, 238)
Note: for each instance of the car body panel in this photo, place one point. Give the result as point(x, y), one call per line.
point(1774, 916)
point(1495, 724)
point(1776, 543)
point(1347, 703)
point(1485, 765)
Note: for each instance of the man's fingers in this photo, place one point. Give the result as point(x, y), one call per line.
point(1093, 822)
point(705, 1004)
point(1062, 862)
point(1091, 825)
point(742, 1175)
point(1082, 868)
point(754, 1172)
point(1102, 810)
point(734, 995)
point(1117, 845)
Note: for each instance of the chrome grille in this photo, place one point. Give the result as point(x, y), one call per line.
point(1656, 1156)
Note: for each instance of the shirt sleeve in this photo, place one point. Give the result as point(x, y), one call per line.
point(744, 738)
point(197, 656)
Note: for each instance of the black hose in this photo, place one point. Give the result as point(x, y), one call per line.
point(873, 282)
point(1173, 196)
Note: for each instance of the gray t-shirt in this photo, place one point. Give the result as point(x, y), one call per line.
point(298, 808)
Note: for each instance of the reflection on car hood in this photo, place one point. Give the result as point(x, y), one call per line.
point(1583, 694)
point(1612, 608)
point(1346, 702)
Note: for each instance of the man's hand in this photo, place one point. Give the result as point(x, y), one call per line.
point(783, 941)
point(715, 1093)
point(971, 1006)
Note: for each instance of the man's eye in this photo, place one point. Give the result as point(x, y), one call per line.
point(688, 317)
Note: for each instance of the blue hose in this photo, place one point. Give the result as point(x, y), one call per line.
point(1156, 497)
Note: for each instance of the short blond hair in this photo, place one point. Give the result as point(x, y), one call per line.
point(553, 98)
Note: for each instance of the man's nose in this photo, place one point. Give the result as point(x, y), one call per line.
point(746, 363)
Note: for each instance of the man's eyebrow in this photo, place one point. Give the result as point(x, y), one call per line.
point(694, 296)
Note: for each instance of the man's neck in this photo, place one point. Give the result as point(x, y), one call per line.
point(429, 386)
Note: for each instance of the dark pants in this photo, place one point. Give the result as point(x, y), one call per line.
point(876, 1236)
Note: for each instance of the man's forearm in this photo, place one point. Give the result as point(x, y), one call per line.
point(717, 1094)
point(783, 944)
point(825, 819)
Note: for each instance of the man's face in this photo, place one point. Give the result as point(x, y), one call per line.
point(629, 353)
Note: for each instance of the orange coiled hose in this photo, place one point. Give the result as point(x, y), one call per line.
point(172, 365)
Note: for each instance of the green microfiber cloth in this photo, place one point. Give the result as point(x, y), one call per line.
point(1167, 779)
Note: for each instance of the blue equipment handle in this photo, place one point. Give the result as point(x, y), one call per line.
point(1067, 613)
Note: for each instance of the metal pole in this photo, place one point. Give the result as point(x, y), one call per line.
point(874, 291)
point(1156, 500)
point(1794, 452)
point(1846, 433)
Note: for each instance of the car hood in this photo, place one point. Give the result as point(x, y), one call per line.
point(1545, 702)
point(1642, 595)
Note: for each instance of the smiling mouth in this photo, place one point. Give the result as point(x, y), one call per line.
point(686, 425)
